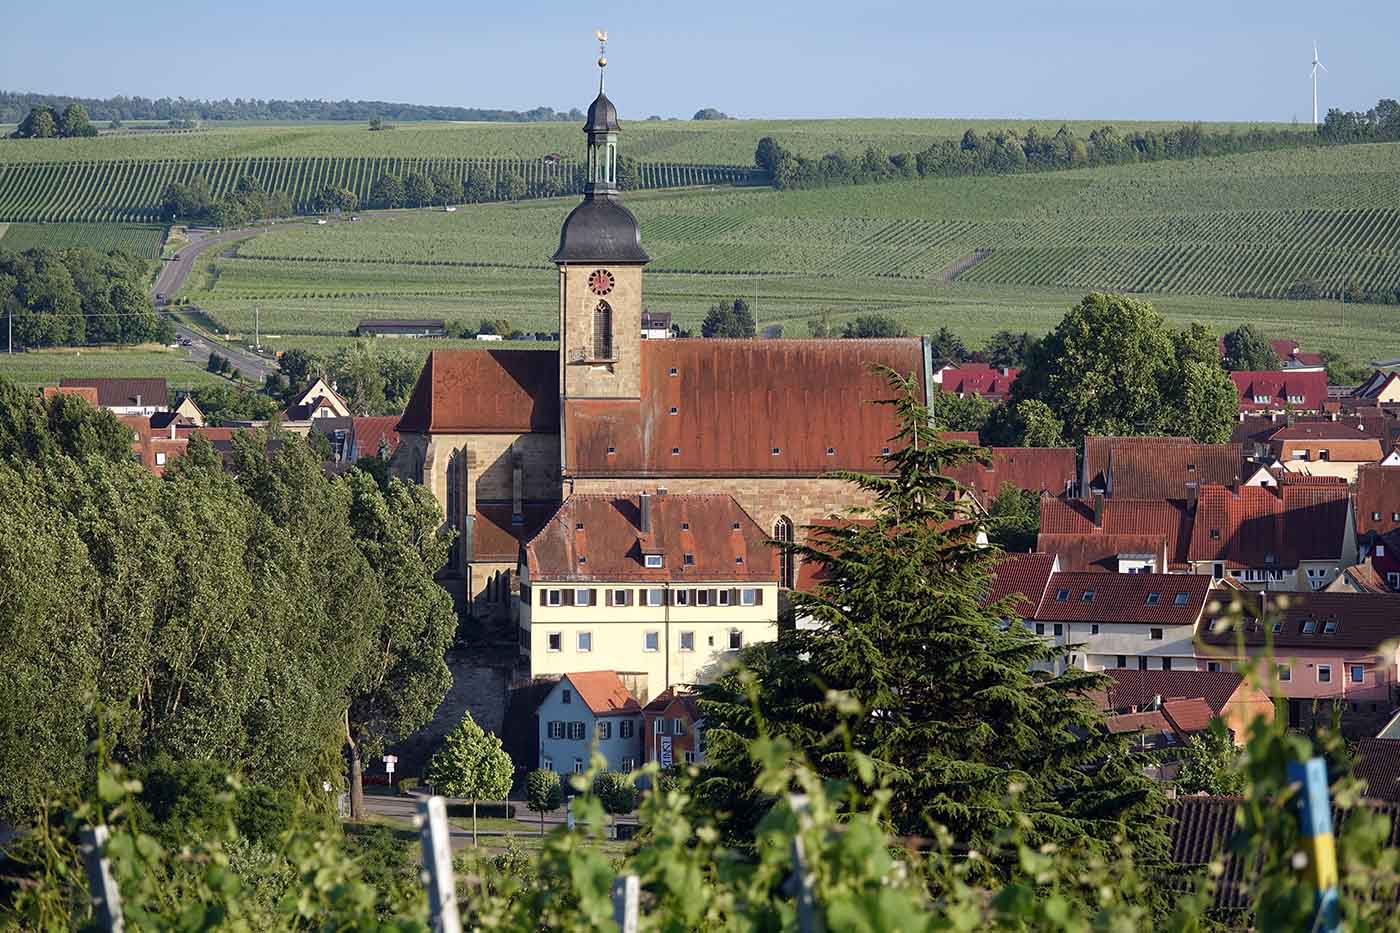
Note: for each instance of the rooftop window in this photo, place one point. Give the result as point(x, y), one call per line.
point(652, 560)
point(582, 559)
point(578, 526)
point(1062, 596)
point(675, 410)
point(688, 560)
point(739, 560)
point(1180, 599)
point(777, 450)
point(1153, 598)
point(1088, 596)
point(674, 371)
point(1329, 628)
point(611, 451)
point(1215, 534)
point(685, 526)
point(1309, 627)
point(1278, 627)
point(675, 451)
point(736, 526)
point(831, 451)
point(884, 450)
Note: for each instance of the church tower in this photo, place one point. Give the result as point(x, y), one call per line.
point(600, 260)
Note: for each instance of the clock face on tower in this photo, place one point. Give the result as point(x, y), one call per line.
point(600, 282)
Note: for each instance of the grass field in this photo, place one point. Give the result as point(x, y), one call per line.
point(728, 142)
point(142, 240)
point(1194, 236)
point(47, 367)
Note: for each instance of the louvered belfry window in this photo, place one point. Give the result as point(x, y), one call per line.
point(602, 331)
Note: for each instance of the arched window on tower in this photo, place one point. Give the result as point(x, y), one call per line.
point(787, 561)
point(602, 331)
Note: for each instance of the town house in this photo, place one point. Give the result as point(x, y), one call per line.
point(671, 730)
point(587, 708)
point(1293, 537)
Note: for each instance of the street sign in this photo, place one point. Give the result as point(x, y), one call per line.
point(666, 759)
point(389, 762)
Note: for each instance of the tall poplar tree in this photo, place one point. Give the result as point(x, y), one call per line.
point(955, 715)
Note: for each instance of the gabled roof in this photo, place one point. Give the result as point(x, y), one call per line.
point(1132, 689)
point(1377, 490)
point(1376, 384)
point(496, 538)
point(1187, 715)
point(1022, 577)
point(484, 392)
point(1151, 721)
point(1278, 386)
point(603, 693)
point(1321, 430)
point(1143, 598)
point(1098, 447)
point(369, 431)
point(1048, 470)
point(87, 393)
point(979, 379)
point(1360, 621)
point(1166, 518)
point(1269, 526)
point(664, 700)
point(122, 393)
point(735, 402)
point(1100, 552)
point(1167, 471)
point(695, 535)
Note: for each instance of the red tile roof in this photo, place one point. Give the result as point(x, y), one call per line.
point(494, 538)
point(89, 393)
point(1284, 348)
point(1151, 721)
point(1124, 597)
point(736, 402)
point(1361, 621)
point(979, 379)
point(1321, 430)
point(1099, 552)
point(483, 392)
point(1132, 689)
point(1377, 498)
point(967, 437)
point(1022, 578)
point(603, 693)
point(1047, 470)
point(608, 547)
point(119, 393)
point(1188, 715)
point(1097, 450)
point(1278, 386)
point(1378, 765)
point(1167, 518)
point(1262, 526)
point(1167, 471)
point(369, 431)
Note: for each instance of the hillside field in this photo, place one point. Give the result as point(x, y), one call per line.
point(142, 240)
point(47, 367)
point(1194, 236)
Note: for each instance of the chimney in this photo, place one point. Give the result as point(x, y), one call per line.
point(1098, 510)
point(1156, 701)
point(644, 513)
point(138, 400)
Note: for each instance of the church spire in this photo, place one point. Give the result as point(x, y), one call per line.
point(602, 128)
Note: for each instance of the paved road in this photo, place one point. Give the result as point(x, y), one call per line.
point(173, 274)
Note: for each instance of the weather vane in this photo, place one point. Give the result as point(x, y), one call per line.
point(602, 35)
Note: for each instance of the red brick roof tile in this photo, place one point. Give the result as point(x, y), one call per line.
point(603, 693)
point(1168, 471)
point(1152, 721)
point(495, 538)
point(1352, 621)
point(737, 401)
point(1378, 765)
point(1099, 552)
point(1097, 450)
point(1048, 470)
point(1188, 715)
point(979, 379)
point(369, 431)
point(1144, 598)
point(119, 393)
point(1166, 518)
point(1133, 689)
point(1022, 577)
point(1377, 498)
point(484, 391)
point(606, 548)
point(1261, 526)
point(1278, 386)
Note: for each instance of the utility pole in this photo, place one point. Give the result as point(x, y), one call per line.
point(257, 327)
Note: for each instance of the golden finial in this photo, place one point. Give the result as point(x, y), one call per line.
point(602, 36)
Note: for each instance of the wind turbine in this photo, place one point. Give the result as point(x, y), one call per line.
point(1315, 65)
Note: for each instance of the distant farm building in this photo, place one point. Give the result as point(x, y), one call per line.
point(398, 328)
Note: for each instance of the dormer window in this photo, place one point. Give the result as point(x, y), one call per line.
point(1261, 398)
point(1088, 596)
point(1309, 627)
point(582, 559)
point(777, 450)
point(1062, 596)
point(674, 371)
point(675, 410)
point(653, 561)
point(578, 526)
point(685, 526)
point(1329, 628)
point(612, 451)
point(1278, 627)
point(688, 560)
point(885, 450)
point(1153, 598)
point(675, 451)
point(736, 526)
point(1179, 600)
point(739, 560)
point(831, 451)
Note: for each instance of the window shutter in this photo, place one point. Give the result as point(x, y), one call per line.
point(607, 597)
point(734, 596)
point(628, 597)
point(758, 596)
point(592, 597)
point(568, 596)
point(544, 596)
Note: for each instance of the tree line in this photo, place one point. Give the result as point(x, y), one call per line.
point(1006, 152)
point(76, 296)
point(249, 201)
point(47, 123)
point(271, 619)
point(14, 105)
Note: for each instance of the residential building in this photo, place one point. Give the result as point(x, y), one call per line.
point(671, 730)
point(1290, 537)
point(668, 585)
point(126, 396)
point(393, 327)
point(656, 325)
point(989, 382)
point(1021, 579)
point(373, 436)
point(318, 401)
point(1377, 765)
point(1139, 620)
point(1323, 448)
point(1117, 535)
point(1377, 499)
point(1380, 387)
point(1330, 650)
point(155, 445)
point(1155, 467)
point(1281, 390)
point(1189, 699)
point(1046, 470)
point(587, 709)
point(188, 410)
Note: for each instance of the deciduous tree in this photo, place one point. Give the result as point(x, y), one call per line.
point(1247, 349)
point(544, 793)
point(471, 764)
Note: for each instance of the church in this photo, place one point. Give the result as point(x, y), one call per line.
point(504, 437)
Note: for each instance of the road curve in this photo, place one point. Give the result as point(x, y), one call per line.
point(173, 274)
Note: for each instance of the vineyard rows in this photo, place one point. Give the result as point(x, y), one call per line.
point(129, 191)
point(142, 240)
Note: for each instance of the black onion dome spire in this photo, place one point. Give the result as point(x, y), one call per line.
point(600, 229)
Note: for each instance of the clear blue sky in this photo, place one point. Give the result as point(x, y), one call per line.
point(1090, 59)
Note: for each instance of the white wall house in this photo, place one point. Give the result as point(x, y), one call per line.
point(587, 708)
point(675, 602)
